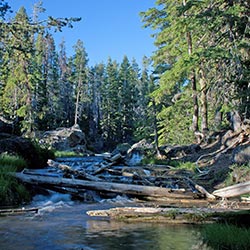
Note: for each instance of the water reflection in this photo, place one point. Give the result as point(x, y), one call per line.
point(118, 235)
point(68, 227)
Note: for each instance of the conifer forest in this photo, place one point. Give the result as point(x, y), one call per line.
point(196, 82)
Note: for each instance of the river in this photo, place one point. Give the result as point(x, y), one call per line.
point(63, 224)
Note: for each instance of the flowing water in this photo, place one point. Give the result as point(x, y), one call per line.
point(62, 224)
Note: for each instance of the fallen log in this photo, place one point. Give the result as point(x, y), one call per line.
point(18, 211)
point(170, 215)
point(234, 190)
point(201, 189)
point(68, 170)
point(102, 168)
point(129, 189)
point(104, 165)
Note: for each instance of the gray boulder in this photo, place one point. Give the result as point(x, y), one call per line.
point(65, 139)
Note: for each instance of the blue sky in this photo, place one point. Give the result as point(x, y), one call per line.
point(108, 27)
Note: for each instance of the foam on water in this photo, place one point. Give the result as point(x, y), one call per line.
point(119, 199)
point(49, 203)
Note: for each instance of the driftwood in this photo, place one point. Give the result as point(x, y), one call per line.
point(112, 160)
point(169, 215)
point(15, 211)
point(201, 189)
point(103, 167)
point(234, 190)
point(129, 189)
point(68, 170)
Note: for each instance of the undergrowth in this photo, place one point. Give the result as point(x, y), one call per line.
point(238, 173)
point(12, 193)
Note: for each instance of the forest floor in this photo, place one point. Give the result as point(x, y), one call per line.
point(215, 166)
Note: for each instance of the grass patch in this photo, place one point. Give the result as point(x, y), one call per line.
point(59, 154)
point(154, 161)
point(191, 166)
point(12, 193)
point(187, 166)
point(225, 236)
point(12, 161)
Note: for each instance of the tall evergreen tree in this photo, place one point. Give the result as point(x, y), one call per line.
point(66, 101)
point(143, 110)
point(110, 116)
point(46, 94)
point(79, 80)
point(199, 40)
point(96, 80)
point(17, 96)
point(19, 89)
point(127, 86)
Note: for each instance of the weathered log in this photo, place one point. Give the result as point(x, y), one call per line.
point(103, 167)
point(130, 189)
point(201, 189)
point(234, 190)
point(69, 170)
point(205, 192)
point(169, 215)
point(17, 211)
point(116, 157)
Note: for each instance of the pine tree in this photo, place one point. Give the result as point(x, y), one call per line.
point(110, 116)
point(17, 95)
point(79, 74)
point(66, 111)
point(96, 81)
point(200, 41)
point(143, 121)
point(46, 94)
point(128, 78)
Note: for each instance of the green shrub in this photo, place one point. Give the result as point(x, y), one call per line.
point(225, 236)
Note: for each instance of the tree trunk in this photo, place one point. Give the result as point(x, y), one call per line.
point(195, 104)
point(218, 118)
point(193, 81)
point(78, 97)
point(203, 86)
point(156, 139)
point(234, 190)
